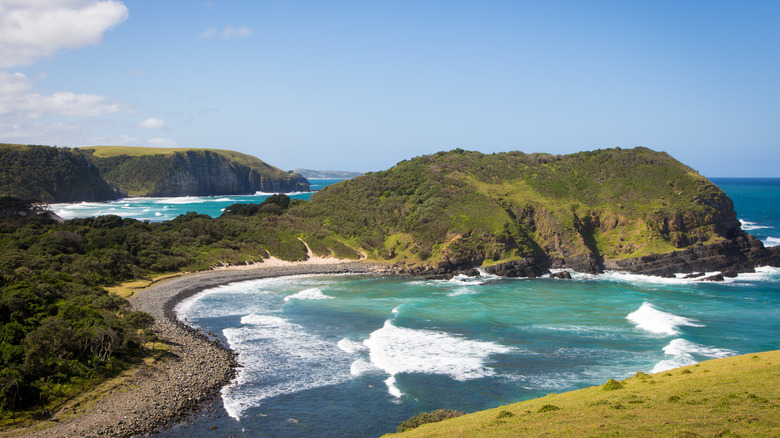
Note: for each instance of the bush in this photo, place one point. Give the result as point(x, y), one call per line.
point(427, 417)
point(548, 408)
point(612, 385)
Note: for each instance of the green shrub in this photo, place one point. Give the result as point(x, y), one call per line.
point(427, 417)
point(548, 408)
point(612, 385)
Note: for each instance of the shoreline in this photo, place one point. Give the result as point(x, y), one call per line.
point(155, 397)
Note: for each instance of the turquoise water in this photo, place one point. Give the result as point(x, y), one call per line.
point(161, 209)
point(341, 356)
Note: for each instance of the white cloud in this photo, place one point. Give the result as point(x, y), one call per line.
point(32, 29)
point(231, 32)
point(209, 33)
point(152, 123)
point(227, 32)
point(162, 142)
point(17, 97)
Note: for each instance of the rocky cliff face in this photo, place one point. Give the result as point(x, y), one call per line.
point(193, 172)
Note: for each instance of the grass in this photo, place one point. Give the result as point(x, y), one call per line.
point(736, 396)
point(128, 288)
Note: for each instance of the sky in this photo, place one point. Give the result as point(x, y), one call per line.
point(361, 85)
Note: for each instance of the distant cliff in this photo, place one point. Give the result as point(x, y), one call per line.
point(50, 174)
point(327, 174)
point(189, 172)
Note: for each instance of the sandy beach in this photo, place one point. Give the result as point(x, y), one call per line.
point(150, 397)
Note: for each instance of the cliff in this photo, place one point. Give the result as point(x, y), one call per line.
point(189, 172)
point(519, 214)
point(50, 174)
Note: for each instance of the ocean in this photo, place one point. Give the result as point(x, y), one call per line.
point(167, 208)
point(354, 356)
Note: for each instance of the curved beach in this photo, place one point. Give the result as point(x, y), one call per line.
point(151, 397)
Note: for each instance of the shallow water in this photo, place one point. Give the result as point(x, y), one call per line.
point(341, 356)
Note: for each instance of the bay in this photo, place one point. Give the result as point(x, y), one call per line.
point(353, 356)
point(158, 209)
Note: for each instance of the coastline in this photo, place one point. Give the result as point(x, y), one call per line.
point(153, 397)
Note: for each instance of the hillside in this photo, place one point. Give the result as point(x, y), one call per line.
point(735, 396)
point(612, 208)
point(50, 174)
point(140, 171)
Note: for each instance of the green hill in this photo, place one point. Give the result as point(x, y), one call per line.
point(139, 171)
point(463, 209)
point(736, 396)
point(50, 174)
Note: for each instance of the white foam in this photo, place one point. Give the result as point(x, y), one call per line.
point(683, 353)
point(463, 291)
point(308, 294)
point(360, 367)
point(279, 357)
point(650, 319)
point(402, 350)
point(351, 346)
point(772, 241)
point(391, 388)
point(749, 226)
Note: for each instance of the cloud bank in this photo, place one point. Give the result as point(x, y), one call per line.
point(32, 29)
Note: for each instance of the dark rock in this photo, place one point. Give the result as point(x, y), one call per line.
point(563, 275)
point(528, 267)
point(716, 277)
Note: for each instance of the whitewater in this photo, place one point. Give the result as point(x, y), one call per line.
point(352, 355)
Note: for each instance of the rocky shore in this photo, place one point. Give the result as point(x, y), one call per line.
point(154, 396)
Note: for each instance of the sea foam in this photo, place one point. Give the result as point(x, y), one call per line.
point(308, 294)
point(749, 226)
point(650, 319)
point(279, 357)
point(684, 353)
point(398, 350)
point(772, 241)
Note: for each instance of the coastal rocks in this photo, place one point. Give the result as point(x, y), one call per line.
point(736, 255)
point(528, 267)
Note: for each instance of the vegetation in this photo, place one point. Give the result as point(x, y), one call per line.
point(139, 171)
point(736, 396)
point(49, 174)
point(462, 205)
point(428, 417)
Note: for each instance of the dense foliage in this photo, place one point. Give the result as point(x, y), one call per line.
point(50, 174)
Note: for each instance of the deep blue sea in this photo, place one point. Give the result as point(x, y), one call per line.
point(354, 356)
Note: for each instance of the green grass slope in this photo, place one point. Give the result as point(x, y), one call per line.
point(734, 397)
point(143, 171)
point(466, 207)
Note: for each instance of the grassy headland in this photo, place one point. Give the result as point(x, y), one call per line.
point(139, 171)
point(735, 396)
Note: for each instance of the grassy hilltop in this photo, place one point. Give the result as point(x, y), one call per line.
point(470, 208)
point(731, 397)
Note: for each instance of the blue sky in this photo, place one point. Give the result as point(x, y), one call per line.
point(361, 85)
